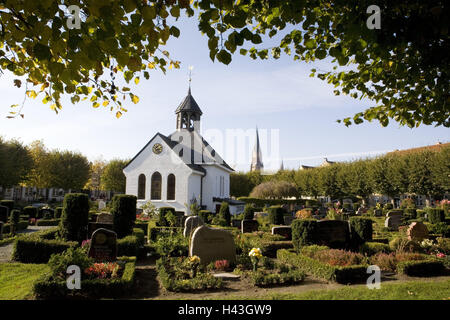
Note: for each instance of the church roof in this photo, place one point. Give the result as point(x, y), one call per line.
point(172, 144)
point(189, 104)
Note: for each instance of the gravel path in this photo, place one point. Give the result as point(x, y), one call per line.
point(6, 250)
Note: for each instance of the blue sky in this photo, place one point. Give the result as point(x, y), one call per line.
point(272, 94)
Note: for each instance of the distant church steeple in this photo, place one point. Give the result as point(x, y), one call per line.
point(282, 165)
point(188, 114)
point(257, 164)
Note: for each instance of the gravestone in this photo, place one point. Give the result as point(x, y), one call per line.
point(394, 212)
point(211, 244)
point(190, 224)
point(103, 246)
point(105, 218)
point(4, 214)
point(378, 212)
point(393, 222)
point(248, 226)
point(288, 220)
point(236, 223)
point(417, 231)
point(101, 205)
point(284, 231)
point(333, 233)
point(47, 213)
point(1, 230)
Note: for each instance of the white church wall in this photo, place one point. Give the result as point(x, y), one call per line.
point(165, 163)
point(211, 185)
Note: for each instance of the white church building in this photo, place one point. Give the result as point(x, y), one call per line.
point(175, 170)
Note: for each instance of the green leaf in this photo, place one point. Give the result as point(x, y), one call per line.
point(224, 57)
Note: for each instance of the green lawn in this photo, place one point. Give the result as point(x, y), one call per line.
point(16, 279)
point(412, 290)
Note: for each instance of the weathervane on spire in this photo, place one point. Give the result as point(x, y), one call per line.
point(190, 76)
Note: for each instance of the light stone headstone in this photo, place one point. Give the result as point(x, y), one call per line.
point(211, 244)
point(394, 212)
point(105, 218)
point(190, 224)
point(101, 205)
point(417, 231)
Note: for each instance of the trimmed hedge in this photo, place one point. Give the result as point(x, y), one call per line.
point(128, 246)
point(124, 213)
point(141, 225)
point(435, 215)
point(249, 212)
point(14, 220)
point(276, 215)
point(75, 217)
point(46, 288)
point(58, 212)
point(410, 213)
point(420, 213)
point(48, 222)
point(303, 232)
point(36, 250)
point(22, 225)
point(421, 268)
point(163, 211)
point(361, 229)
point(140, 235)
point(371, 248)
point(343, 275)
point(30, 211)
point(154, 232)
point(224, 213)
point(205, 214)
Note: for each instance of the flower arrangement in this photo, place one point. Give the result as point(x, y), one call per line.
point(440, 255)
point(142, 217)
point(255, 254)
point(194, 263)
point(222, 265)
point(304, 214)
point(426, 243)
point(108, 270)
point(86, 243)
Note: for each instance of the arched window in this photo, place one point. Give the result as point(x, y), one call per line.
point(171, 187)
point(156, 186)
point(141, 186)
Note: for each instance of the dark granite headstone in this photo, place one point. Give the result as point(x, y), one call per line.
point(248, 226)
point(97, 225)
point(284, 231)
point(236, 223)
point(4, 214)
point(103, 246)
point(333, 233)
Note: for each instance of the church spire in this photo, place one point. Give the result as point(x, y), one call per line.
point(257, 164)
point(188, 112)
point(282, 165)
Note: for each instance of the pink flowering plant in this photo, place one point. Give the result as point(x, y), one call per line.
point(104, 270)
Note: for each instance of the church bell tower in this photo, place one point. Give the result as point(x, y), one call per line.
point(188, 114)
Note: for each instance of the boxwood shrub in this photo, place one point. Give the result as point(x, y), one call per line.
point(141, 225)
point(249, 212)
point(276, 214)
point(22, 225)
point(303, 232)
point(47, 288)
point(420, 213)
point(75, 217)
point(14, 219)
point(30, 211)
point(410, 213)
point(343, 275)
point(224, 213)
point(421, 268)
point(124, 213)
point(371, 248)
point(48, 222)
point(128, 246)
point(435, 215)
point(58, 212)
point(37, 250)
point(361, 229)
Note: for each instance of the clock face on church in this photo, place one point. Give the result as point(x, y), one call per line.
point(157, 148)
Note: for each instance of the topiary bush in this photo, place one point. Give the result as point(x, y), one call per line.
point(75, 217)
point(14, 220)
point(124, 214)
point(205, 215)
point(410, 213)
point(58, 212)
point(276, 214)
point(303, 232)
point(224, 214)
point(372, 248)
point(249, 212)
point(31, 212)
point(361, 229)
point(435, 215)
point(163, 212)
